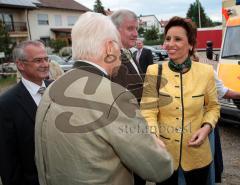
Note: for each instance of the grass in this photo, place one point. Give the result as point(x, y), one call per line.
point(5, 83)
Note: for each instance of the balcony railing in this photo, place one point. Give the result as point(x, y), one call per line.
point(15, 26)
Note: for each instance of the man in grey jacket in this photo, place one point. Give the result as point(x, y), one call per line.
point(88, 129)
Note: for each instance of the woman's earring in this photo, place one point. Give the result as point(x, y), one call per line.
point(110, 58)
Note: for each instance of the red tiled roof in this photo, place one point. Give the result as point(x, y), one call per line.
point(63, 4)
point(163, 23)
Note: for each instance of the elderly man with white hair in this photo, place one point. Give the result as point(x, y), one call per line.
point(88, 129)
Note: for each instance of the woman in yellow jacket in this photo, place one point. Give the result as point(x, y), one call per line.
point(184, 109)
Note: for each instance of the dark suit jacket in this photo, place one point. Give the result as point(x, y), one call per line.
point(145, 59)
point(128, 77)
point(17, 120)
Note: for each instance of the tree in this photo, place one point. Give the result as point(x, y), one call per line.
point(192, 13)
point(98, 7)
point(57, 44)
point(141, 31)
point(151, 34)
point(5, 41)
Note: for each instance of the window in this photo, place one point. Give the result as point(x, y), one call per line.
point(58, 20)
point(71, 20)
point(7, 20)
point(43, 19)
point(231, 48)
point(1, 18)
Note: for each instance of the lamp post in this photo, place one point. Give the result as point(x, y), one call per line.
point(199, 14)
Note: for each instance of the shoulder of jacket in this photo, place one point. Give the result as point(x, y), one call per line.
point(146, 49)
point(153, 69)
point(8, 97)
point(202, 65)
point(204, 70)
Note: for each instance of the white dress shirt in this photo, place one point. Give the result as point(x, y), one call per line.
point(221, 89)
point(139, 51)
point(33, 89)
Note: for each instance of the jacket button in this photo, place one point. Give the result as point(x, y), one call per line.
point(179, 130)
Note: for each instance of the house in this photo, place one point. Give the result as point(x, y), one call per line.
point(14, 16)
point(40, 19)
point(163, 23)
point(149, 21)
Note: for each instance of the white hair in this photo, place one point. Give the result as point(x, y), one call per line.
point(119, 16)
point(19, 50)
point(89, 35)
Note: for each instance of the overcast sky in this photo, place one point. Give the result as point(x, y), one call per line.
point(162, 9)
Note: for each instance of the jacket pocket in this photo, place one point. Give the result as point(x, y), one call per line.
point(164, 137)
point(165, 95)
point(197, 96)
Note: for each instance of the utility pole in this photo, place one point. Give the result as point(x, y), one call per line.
point(199, 14)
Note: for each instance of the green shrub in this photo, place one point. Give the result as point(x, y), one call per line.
point(151, 34)
point(152, 42)
point(57, 44)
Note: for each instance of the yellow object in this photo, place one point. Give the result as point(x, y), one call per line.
point(184, 105)
point(230, 75)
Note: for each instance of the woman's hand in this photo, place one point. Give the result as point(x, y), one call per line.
point(200, 135)
point(159, 141)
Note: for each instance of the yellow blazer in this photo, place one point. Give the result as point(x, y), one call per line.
point(185, 102)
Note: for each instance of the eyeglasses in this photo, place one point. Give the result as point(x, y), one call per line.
point(38, 60)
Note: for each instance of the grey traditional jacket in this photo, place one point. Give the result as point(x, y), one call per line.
point(89, 131)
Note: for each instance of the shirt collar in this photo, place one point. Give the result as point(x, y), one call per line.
point(32, 87)
point(97, 66)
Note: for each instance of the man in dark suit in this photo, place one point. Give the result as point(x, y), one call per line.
point(130, 73)
point(17, 115)
point(143, 56)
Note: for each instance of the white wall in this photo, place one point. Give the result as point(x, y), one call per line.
point(151, 21)
point(38, 31)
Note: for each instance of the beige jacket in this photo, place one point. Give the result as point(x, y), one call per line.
point(184, 105)
point(87, 136)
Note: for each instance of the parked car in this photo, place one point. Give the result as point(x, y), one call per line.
point(154, 54)
point(65, 65)
point(161, 53)
point(9, 67)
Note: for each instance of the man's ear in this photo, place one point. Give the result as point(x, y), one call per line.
point(108, 46)
point(20, 65)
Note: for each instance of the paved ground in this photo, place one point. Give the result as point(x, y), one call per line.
point(230, 137)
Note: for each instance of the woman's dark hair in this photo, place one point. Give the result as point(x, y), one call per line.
point(186, 24)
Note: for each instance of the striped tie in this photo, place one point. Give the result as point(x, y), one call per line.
point(41, 90)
